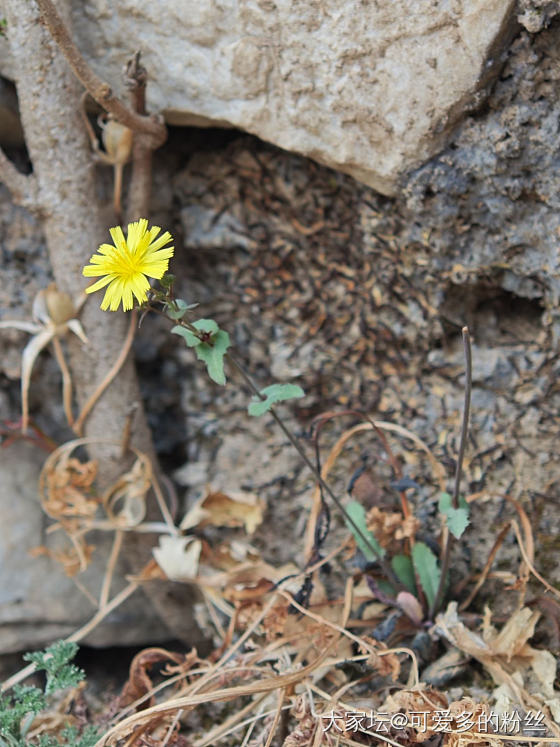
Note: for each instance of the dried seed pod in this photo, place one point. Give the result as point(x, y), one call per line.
point(60, 306)
point(117, 140)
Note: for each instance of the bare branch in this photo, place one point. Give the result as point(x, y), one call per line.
point(97, 88)
point(136, 78)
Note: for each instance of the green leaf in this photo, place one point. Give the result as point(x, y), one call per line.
point(55, 661)
point(357, 513)
point(178, 309)
point(457, 518)
point(211, 352)
point(426, 566)
point(274, 393)
point(404, 571)
point(15, 708)
point(386, 587)
point(202, 325)
point(213, 356)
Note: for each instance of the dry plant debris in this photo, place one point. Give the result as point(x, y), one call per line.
point(291, 669)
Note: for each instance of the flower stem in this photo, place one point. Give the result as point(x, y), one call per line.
point(387, 570)
point(448, 537)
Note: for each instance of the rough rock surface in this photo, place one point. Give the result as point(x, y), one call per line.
point(360, 299)
point(371, 89)
point(489, 204)
point(38, 603)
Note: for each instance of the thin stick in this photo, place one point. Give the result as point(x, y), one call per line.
point(90, 404)
point(466, 413)
point(172, 726)
point(97, 88)
point(108, 578)
point(78, 634)
point(140, 188)
point(117, 191)
point(267, 685)
point(329, 699)
point(233, 723)
point(448, 537)
point(281, 699)
point(66, 381)
point(526, 558)
point(486, 570)
point(163, 507)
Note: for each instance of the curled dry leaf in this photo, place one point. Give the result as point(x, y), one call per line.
point(73, 560)
point(525, 675)
point(385, 664)
point(66, 495)
point(390, 528)
point(125, 500)
point(221, 510)
point(228, 555)
point(139, 682)
point(65, 487)
point(412, 703)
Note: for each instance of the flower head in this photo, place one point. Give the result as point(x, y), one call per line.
point(126, 265)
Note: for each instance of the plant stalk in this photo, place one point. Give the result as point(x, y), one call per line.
point(448, 537)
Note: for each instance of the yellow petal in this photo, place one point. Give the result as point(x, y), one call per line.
point(101, 283)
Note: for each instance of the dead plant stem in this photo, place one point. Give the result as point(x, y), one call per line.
point(66, 380)
point(97, 88)
point(116, 367)
point(109, 571)
point(172, 726)
point(142, 145)
point(77, 635)
point(448, 537)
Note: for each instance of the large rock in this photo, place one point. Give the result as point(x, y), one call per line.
point(489, 204)
point(371, 89)
point(38, 603)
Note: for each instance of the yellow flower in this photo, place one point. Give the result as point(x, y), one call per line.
point(127, 265)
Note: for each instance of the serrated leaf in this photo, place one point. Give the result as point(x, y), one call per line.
point(179, 309)
point(358, 515)
point(404, 571)
point(56, 662)
point(213, 356)
point(203, 325)
point(427, 568)
point(274, 393)
point(457, 518)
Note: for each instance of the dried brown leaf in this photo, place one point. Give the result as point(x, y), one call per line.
point(125, 500)
point(219, 509)
point(139, 682)
point(74, 559)
point(508, 657)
